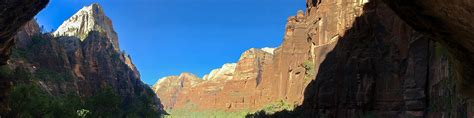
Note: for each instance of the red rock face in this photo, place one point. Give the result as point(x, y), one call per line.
point(257, 80)
point(174, 86)
point(342, 59)
point(260, 78)
point(370, 63)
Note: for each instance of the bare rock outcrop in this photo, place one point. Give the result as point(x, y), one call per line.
point(222, 89)
point(170, 88)
point(89, 18)
point(226, 72)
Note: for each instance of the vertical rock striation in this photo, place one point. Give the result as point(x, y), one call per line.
point(355, 58)
point(236, 87)
point(371, 63)
point(89, 18)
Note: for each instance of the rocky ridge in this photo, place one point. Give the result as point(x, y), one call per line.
point(84, 62)
point(90, 18)
point(175, 85)
point(226, 72)
point(233, 87)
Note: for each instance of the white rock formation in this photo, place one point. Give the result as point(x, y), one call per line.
point(89, 18)
point(226, 72)
point(161, 81)
point(183, 80)
point(269, 50)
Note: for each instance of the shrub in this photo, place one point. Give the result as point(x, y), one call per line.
point(279, 105)
point(22, 74)
point(28, 101)
point(19, 53)
point(46, 74)
point(309, 67)
point(105, 104)
point(39, 40)
point(206, 114)
point(142, 107)
point(83, 113)
point(5, 72)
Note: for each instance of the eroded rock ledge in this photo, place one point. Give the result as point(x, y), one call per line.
point(451, 23)
point(13, 15)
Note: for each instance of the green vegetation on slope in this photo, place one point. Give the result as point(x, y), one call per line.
point(29, 101)
point(43, 73)
point(29, 98)
point(206, 114)
point(190, 110)
point(43, 88)
point(309, 67)
point(279, 105)
point(5, 72)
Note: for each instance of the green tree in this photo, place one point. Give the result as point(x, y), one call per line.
point(104, 104)
point(83, 113)
point(29, 101)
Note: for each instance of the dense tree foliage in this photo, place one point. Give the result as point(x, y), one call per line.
point(30, 101)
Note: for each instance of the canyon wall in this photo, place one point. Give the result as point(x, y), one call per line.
point(345, 58)
point(260, 78)
point(80, 59)
point(233, 87)
point(377, 66)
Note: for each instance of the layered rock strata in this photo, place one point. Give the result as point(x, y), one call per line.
point(355, 58)
point(375, 64)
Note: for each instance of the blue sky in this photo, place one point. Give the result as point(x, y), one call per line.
point(167, 37)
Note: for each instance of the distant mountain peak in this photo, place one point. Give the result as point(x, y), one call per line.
point(225, 72)
point(89, 18)
point(268, 49)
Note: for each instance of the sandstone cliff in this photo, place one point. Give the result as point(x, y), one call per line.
point(173, 86)
point(237, 87)
point(82, 61)
point(354, 58)
point(371, 63)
